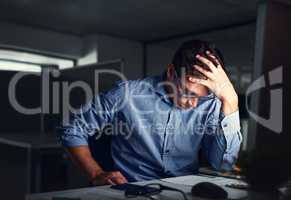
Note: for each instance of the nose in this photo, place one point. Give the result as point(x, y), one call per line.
point(193, 102)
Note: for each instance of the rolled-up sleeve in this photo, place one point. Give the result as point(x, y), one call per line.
point(223, 147)
point(231, 131)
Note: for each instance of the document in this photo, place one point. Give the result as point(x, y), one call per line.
point(194, 179)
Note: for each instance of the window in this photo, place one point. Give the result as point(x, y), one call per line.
point(22, 61)
point(17, 66)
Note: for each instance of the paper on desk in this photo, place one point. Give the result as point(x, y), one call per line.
point(194, 179)
point(98, 193)
point(93, 193)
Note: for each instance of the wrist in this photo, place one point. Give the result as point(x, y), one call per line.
point(229, 96)
point(231, 99)
point(230, 104)
point(95, 173)
point(95, 179)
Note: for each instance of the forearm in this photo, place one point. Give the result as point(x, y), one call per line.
point(223, 147)
point(214, 149)
point(229, 103)
point(223, 156)
point(82, 156)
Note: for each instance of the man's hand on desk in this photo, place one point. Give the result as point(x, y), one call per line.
point(112, 178)
point(83, 157)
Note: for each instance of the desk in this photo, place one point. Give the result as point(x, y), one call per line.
point(21, 161)
point(105, 192)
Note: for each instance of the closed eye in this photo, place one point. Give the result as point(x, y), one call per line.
point(187, 92)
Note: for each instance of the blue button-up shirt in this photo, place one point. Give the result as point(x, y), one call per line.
point(152, 138)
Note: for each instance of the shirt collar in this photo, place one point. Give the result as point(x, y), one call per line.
point(159, 87)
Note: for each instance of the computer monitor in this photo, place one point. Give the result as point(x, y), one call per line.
point(270, 129)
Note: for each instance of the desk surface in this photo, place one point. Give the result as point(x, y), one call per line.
point(105, 192)
point(30, 140)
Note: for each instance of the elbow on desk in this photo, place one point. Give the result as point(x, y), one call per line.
point(223, 165)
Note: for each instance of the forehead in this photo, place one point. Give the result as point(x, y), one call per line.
point(194, 87)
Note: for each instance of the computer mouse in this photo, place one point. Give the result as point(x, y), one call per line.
point(208, 190)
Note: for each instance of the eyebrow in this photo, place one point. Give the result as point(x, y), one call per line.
point(188, 92)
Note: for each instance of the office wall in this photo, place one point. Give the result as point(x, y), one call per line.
point(237, 45)
point(38, 40)
point(90, 51)
point(112, 48)
point(87, 49)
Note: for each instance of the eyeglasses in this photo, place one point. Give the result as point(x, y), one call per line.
point(150, 190)
point(185, 93)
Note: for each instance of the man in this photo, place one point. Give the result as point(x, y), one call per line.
point(169, 119)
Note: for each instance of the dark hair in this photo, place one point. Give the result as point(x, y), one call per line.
point(185, 57)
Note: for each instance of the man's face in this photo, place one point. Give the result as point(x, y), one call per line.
point(185, 93)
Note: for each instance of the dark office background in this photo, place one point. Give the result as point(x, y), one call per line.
point(138, 39)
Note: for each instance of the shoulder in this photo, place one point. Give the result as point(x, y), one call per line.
point(137, 85)
point(124, 89)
